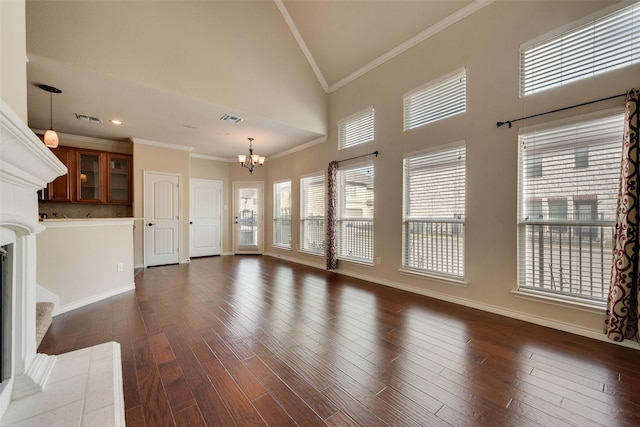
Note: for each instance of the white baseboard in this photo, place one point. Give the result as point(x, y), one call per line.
point(553, 324)
point(95, 298)
point(138, 266)
point(296, 260)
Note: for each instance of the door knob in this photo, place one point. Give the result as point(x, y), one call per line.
point(151, 223)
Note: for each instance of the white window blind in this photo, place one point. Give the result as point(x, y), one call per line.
point(356, 129)
point(355, 213)
point(312, 211)
point(566, 214)
point(434, 211)
point(601, 45)
point(282, 214)
point(437, 100)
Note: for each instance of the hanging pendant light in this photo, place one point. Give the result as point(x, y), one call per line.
point(50, 136)
point(254, 159)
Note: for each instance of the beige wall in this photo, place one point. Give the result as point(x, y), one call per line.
point(85, 270)
point(487, 44)
point(159, 159)
point(13, 56)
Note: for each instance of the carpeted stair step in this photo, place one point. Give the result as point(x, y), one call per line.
point(43, 320)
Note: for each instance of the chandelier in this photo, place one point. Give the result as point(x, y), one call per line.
point(254, 159)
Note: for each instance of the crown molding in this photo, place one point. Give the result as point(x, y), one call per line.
point(299, 148)
point(141, 141)
point(303, 46)
point(413, 41)
point(206, 157)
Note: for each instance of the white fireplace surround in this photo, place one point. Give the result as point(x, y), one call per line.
point(26, 166)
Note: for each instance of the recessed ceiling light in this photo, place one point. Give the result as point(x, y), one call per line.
point(116, 122)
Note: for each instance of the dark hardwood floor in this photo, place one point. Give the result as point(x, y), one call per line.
point(254, 341)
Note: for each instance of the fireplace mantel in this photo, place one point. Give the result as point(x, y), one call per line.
point(26, 166)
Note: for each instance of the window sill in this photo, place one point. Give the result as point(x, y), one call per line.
point(319, 254)
point(284, 248)
point(561, 300)
point(437, 277)
point(355, 261)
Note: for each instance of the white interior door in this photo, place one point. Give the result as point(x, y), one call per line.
point(162, 218)
point(248, 217)
point(205, 217)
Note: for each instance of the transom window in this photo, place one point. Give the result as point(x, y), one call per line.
point(355, 213)
point(312, 209)
point(282, 214)
point(566, 216)
point(434, 211)
point(604, 44)
point(356, 129)
point(436, 100)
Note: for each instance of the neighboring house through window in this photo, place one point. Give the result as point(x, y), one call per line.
point(355, 213)
point(282, 214)
point(567, 214)
point(312, 209)
point(434, 211)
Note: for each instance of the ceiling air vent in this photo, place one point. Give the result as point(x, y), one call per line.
point(90, 119)
point(230, 118)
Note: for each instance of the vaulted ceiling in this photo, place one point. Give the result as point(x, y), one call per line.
point(171, 70)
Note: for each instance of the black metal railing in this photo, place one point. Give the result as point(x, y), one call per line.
point(313, 235)
point(355, 239)
point(434, 246)
point(568, 259)
point(282, 232)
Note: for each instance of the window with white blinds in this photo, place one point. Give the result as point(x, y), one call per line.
point(282, 214)
point(567, 212)
point(355, 213)
point(312, 209)
point(356, 129)
point(434, 211)
point(436, 100)
point(610, 42)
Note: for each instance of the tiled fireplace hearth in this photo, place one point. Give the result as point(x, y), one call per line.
point(77, 388)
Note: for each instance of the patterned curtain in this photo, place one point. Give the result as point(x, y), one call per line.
point(622, 304)
point(332, 216)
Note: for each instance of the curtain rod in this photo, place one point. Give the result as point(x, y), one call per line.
point(357, 157)
point(508, 122)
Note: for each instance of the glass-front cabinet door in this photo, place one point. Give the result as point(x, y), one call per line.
point(118, 179)
point(89, 169)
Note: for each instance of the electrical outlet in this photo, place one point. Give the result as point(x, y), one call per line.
point(120, 267)
point(378, 260)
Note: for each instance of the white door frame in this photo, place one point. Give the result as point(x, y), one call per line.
point(259, 249)
point(145, 174)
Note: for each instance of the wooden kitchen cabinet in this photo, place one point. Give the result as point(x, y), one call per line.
point(89, 177)
point(94, 176)
point(118, 178)
point(59, 190)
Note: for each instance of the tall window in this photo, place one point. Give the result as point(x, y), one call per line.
point(355, 213)
point(356, 129)
point(566, 216)
point(282, 214)
point(436, 100)
point(434, 211)
point(312, 194)
point(610, 42)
